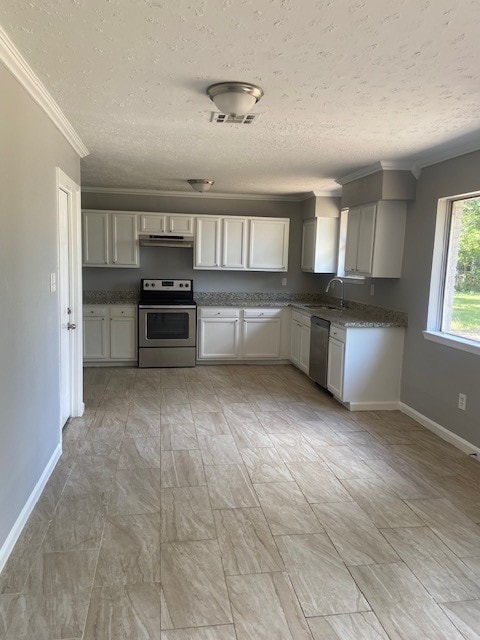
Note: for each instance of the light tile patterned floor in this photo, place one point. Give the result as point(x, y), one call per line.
point(244, 503)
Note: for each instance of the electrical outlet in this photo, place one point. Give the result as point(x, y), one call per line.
point(284, 282)
point(53, 282)
point(372, 289)
point(462, 401)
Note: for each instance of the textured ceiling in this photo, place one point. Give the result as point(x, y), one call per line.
point(346, 83)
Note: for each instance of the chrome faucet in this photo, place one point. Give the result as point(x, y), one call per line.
point(331, 282)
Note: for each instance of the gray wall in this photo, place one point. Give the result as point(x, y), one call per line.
point(166, 262)
point(433, 374)
point(29, 337)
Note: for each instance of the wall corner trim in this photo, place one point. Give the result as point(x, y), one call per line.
point(440, 431)
point(20, 522)
point(13, 60)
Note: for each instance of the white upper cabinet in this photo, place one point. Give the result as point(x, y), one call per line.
point(234, 243)
point(166, 224)
point(320, 245)
point(207, 243)
point(154, 223)
point(351, 244)
point(124, 239)
point(375, 237)
point(95, 238)
point(110, 239)
point(181, 225)
point(268, 246)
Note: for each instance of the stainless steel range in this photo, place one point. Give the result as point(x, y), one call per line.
point(167, 321)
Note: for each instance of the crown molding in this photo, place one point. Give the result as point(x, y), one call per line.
point(381, 165)
point(204, 196)
point(453, 151)
point(13, 60)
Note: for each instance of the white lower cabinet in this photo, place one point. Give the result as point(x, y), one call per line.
point(95, 325)
point(218, 337)
point(109, 333)
point(261, 333)
point(336, 358)
point(365, 366)
point(300, 340)
point(239, 334)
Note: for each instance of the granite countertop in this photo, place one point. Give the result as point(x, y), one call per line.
point(110, 297)
point(354, 315)
point(352, 318)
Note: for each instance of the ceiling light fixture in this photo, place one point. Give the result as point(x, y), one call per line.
point(201, 184)
point(234, 98)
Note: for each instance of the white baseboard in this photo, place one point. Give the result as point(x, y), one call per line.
point(440, 431)
point(17, 528)
point(373, 406)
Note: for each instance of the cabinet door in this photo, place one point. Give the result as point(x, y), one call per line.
point(304, 356)
point(123, 339)
point(218, 338)
point(268, 247)
point(95, 344)
point(180, 224)
point(234, 243)
point(308, 245)
point(152, 224)
point(295, 342)
point(261, 338)
point(124, 240)
point(336, 357)
point(366, 239)
point(351, 246)
point(95, 239)
point(207, 243)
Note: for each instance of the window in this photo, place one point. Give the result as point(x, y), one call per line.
point(454, 312)
point(461, 299)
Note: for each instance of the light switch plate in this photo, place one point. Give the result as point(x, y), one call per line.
point(53, 282)
point(284, 282)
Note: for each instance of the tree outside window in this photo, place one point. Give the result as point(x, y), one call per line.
point(461, 301)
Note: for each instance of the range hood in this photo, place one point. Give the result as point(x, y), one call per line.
point(154, 240)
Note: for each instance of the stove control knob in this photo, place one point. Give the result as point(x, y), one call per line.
point(153, 284)
point(146, 285)
point(181, 285)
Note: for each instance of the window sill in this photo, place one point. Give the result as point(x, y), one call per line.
point(456, 342)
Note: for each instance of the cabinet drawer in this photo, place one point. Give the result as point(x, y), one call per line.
point(123, 311)
point(337, 333)
point(262, 313)
point(303, 318)
point(94, 311)
point(218, 312)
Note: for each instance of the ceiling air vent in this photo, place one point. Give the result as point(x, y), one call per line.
point(222, 118)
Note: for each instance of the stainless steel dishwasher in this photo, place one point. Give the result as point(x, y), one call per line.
point(319, 333)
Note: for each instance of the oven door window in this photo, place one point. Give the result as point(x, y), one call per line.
point(167, 326)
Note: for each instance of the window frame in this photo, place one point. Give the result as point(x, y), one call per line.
point(434, 332)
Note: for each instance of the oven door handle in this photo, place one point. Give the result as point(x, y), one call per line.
point(166, 307)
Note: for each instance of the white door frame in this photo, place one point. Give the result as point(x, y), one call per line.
point(65, 183)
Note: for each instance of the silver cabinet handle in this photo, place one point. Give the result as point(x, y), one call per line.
point(71, 326)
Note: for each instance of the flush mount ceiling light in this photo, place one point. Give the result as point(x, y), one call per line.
point(234, 98)
point(201, 184)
